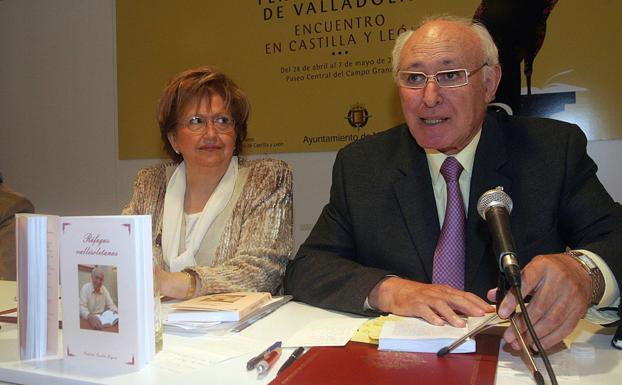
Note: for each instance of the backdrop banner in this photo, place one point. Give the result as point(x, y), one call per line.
point(318, 72)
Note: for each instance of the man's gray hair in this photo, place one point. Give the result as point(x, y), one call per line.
point(489, 49)
point(96, 270)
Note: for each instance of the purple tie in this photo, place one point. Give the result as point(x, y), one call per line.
point(448, 268)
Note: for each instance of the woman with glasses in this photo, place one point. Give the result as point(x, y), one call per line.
point(220, 223)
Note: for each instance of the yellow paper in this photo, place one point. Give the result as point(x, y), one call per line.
point(369, 332)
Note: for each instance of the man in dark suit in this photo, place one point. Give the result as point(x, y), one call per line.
point(374, 246)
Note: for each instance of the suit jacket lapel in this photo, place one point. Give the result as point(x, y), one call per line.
point(491, 169)
point(413, 190)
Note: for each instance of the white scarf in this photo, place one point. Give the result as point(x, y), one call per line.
point(174, 212)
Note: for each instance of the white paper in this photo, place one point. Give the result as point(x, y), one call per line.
point(184, 355)
point(325, 332)
point(181, 361)
point(512, 369)
point(190, 327)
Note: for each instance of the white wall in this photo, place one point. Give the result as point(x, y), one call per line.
point(58, 135)
point(57, 104)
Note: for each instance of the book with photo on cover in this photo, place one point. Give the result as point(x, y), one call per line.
point(224, 307)
point(107, 290)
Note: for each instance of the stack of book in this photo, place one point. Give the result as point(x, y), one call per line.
point(408, 334)
point(214, 312)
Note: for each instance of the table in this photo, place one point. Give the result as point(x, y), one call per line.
point(604, 369)
point(51, 371)
point(8, 295)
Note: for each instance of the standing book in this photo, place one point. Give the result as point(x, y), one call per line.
point(106, 269)
point(37, 284)
point(224, 307)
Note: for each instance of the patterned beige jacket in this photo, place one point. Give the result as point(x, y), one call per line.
point(249, 243)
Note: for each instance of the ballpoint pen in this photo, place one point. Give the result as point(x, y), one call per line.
point(264, 365)
point(253, 362)
point(488, 322)
point(537, 376)
point(295, 355)
point(264, 311)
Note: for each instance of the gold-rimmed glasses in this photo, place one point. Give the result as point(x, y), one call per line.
point(198, 123)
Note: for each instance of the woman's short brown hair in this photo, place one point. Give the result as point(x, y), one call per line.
point(196, 84)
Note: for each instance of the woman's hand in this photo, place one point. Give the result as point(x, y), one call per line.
point(174, 285)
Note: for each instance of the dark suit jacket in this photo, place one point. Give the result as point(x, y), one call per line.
point(382, 219)
point(11, 203)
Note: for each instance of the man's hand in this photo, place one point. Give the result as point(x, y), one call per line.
point(436, 304)
point(560, 290)
point(94, 322)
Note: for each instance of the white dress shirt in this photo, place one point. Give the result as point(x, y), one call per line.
point(95, 303)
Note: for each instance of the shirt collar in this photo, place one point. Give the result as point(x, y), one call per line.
point(95, 291)
point(466, 157)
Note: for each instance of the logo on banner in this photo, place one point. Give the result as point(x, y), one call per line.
point(358, 116)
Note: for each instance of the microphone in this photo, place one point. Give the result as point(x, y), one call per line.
point(494, 206)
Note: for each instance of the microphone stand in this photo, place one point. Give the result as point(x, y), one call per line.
point(534, 337)
point(502, 289)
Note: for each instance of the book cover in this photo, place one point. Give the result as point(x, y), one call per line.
point(224, 307)
point(106, 268)
point(363, 364)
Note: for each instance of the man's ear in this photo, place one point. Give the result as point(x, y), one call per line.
point(493, 77)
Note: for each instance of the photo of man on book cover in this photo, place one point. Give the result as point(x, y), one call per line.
point(98, 298)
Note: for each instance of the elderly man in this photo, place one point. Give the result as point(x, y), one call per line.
point(401, 233)
point(95, 299)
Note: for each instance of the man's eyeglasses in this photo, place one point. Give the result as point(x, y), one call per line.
point(198, 123)
point(448, 78)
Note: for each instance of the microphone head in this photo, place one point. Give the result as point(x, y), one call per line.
point(495, 197)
